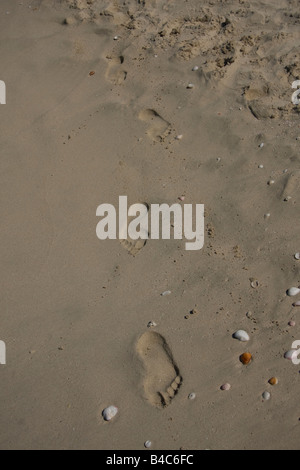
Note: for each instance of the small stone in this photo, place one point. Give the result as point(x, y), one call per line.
point(148, 444)
point(261, 145)
point(246, 358)
point(297, 256)
point(109, 413)
point(151, 324)
point(261, 167)
point(271, 182)
point(190, 86)
point(242, 336)
point(166, 293)
point(192, 396)
point(292, 323)
point(226, 387)
point(266, 396)
point(179, 137)
point(196, 68)
point(273, 381)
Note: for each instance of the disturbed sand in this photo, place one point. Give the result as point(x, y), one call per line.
point(97, 92)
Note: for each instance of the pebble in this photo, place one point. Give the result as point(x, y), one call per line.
point(297, 256)
point(181, 198)
point(116, 38)
point(192, 396)
point(246, 358)
point(190, 86)
point(273, 381)
point(291, 355)
point(267, 216)
point(167, 292)
point(148, 444)
point(261, 167)
point(151, 324)
point(109, 413)
point(196, 68)
point(293, 291)
point(241, 335)
point(296, 304)
point(292, 323)
point(226, 387)
point(261, 145)
point(271, 182)
point(179, 137)
point(266, 396)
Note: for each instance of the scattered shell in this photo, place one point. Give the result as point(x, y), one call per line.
point(151, 324)
point(267, 216)
point(246, 358)
point(273, 381)
point(226, 387)
point(116, 38)
point(192, 396)
point(271, 182)
point(254, 283)
point(287, 199)
point(292, 323)
point(190, 86)
point(109, 413)
point(266, 396)
point(261, 166)
point(293, 291)
point(296, 304)
point(167, 292)
point(148, 444)
point(297, 256)
point(92, 73)
point(261, 145)
point(291, 355)
point(241, 335)
point(179, 137)
point(181, 198)
point(196, 68)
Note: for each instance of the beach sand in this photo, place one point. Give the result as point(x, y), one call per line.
point(97, 92)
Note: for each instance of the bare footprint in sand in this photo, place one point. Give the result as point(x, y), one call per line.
point(162, 379)
point(134, 246)
point(159, 128)
point(115, 72)
point(292, 186)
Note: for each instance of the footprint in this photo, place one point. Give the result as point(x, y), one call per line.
point(134, 246)
point(159, 128)
point(115, 73)
point(292, 186)
point(162, 379)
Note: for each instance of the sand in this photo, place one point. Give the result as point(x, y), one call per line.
point(74, 309)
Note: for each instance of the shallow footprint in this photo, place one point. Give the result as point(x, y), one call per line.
point(159, 128)
point(134, 246)
point(115, 73)
point(292, 186)
point(162, 379)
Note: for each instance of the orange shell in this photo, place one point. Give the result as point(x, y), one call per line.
point(92, 73)
point(246, 358)
point(273, 381)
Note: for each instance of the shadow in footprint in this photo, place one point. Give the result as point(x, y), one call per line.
point(159, 128)
point(162, 379)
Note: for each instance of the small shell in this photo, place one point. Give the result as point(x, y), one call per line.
point(179, 137)
point(271, 182)
point(292, 323)
point(241, 335)
point(226, 387)
point(92, 73)
point(297, 256)
point(167, 292)
point(148, 444)
point(291, 355)
point(254, 283)
point(151, 324)
point(262, 146)
point(196, 68)
point(261, 167)
point(192, 396)
point(116, 38)
point(181, 198)
point(190, 86)
point(293, 291)
point(273, 381)
point(266, 396)
point(246, 358)
point(109, 413)
point(296, 304)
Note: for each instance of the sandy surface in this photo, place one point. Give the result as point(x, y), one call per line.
point(74, 309)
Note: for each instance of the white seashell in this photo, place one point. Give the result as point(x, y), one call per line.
point(167, 292)
point(293, 291)
point(151, 324)
point(196, 68)
point(267, 216)
point(116, 38)
point(148, 444)
point(179, 137)
point(292, 323)
point(192, 396)
point(261, 167)
point(271, 182)
point(291, 355)
point(266, 396)
point(109, 413)
point(297, 256)
point(241, 335)
point(190, 86)
point(296, 304)
point(262, 146)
